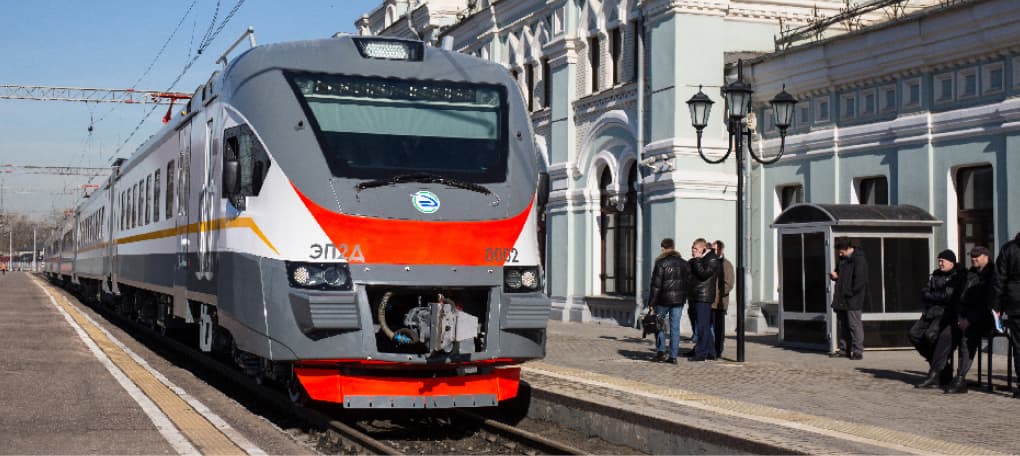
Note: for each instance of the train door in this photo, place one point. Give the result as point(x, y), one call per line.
point(182, 224)
point(75, 240)
point(109, 261)
point(207, 203)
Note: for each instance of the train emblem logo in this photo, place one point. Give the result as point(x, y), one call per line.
point(426, 202)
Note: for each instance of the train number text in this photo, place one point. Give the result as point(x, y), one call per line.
point(337, 252)
point(499, 254)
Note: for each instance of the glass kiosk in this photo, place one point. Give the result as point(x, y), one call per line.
point(897, 242)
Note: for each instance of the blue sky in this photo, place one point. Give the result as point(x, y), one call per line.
point(110, 44)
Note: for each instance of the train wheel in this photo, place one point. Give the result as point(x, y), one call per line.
point(295, 391)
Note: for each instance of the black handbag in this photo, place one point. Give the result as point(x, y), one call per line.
point(651, 324)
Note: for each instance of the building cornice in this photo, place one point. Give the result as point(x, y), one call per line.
point(606, 100)
point(915, 45)
point(562, 50)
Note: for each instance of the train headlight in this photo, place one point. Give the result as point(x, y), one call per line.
point(512, 279)
point(301, 275)
point(390, 49)
point(522, 279)
point(319, 276)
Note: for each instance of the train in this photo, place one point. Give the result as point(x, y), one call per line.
point(353, 217)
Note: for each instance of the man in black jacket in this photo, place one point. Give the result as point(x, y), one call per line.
point(704, 270)
point(670, 279)
point(1006, 293)
point(974, 317)
point(932, 334)
point(851, 291)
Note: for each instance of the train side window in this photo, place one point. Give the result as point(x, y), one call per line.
point(131, 200)
point(140, 201)
point(242, 146)
point(148, 195)
point(170, 190)
point(155, 196)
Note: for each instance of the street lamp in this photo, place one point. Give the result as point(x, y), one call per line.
point(738, 102)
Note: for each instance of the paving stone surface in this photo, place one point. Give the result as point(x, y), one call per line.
point(874, 397)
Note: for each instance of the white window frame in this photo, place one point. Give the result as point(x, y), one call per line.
point(961, 83)
point(848, 99)
point(1016, 73)
point(940, 96)
point(821, 115)
point(862, 109)
point(885, 90)
point(986, 78)
point(803, 121)
point(906, 92)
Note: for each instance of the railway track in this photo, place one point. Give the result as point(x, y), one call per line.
point(331, 430)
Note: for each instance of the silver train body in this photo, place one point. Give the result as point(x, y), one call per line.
point(337, 212)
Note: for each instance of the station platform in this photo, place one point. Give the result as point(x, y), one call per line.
point(786, 400)
point(70, 383)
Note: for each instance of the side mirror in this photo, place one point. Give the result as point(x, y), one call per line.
point(543, 188)
point(231, 177)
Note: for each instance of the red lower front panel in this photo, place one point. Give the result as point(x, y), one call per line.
point(330, 385)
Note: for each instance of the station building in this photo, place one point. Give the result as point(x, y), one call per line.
point(920, 111)
point(621, 182)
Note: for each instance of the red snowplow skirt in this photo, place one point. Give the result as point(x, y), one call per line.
point(330, 385)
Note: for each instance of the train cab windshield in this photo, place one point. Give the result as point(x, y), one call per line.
point(376, 128)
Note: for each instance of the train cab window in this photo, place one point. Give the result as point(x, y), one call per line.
point(170, 190)
point(121, 211)
point(377, 128)
point(155, 196)
point(245, 148)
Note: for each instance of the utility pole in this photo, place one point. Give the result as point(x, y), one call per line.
point(34, 254)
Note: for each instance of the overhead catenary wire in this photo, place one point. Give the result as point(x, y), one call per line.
point(155, 58)
point(145, 73)
point(198, 53)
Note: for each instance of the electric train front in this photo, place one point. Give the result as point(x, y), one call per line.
point(422, 286)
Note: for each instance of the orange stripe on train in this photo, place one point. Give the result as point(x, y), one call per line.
point(392, 241)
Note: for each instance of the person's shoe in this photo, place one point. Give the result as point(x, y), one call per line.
point(857, 356)
point(930, 382)
point(959, 386)
point(1016, 394)
point(659, 357)
point(671, 360)
point(696, 358)
point(837, 354)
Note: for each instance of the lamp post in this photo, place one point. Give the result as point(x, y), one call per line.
point(738, 102)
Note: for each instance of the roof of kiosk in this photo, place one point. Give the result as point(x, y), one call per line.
point(855, 214)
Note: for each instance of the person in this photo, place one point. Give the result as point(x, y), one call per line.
point(1006, 294)
point(724, 284)
point(849, 296)
point(704, 269)
point(668, 293)
point(932, 333)
point(974, 315)
point(3, 268)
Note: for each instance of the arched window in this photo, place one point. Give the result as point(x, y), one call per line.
point(617, 228)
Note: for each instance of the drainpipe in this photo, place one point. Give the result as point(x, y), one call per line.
point(639, 34)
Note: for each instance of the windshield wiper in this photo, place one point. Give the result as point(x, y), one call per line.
point(424, 178)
